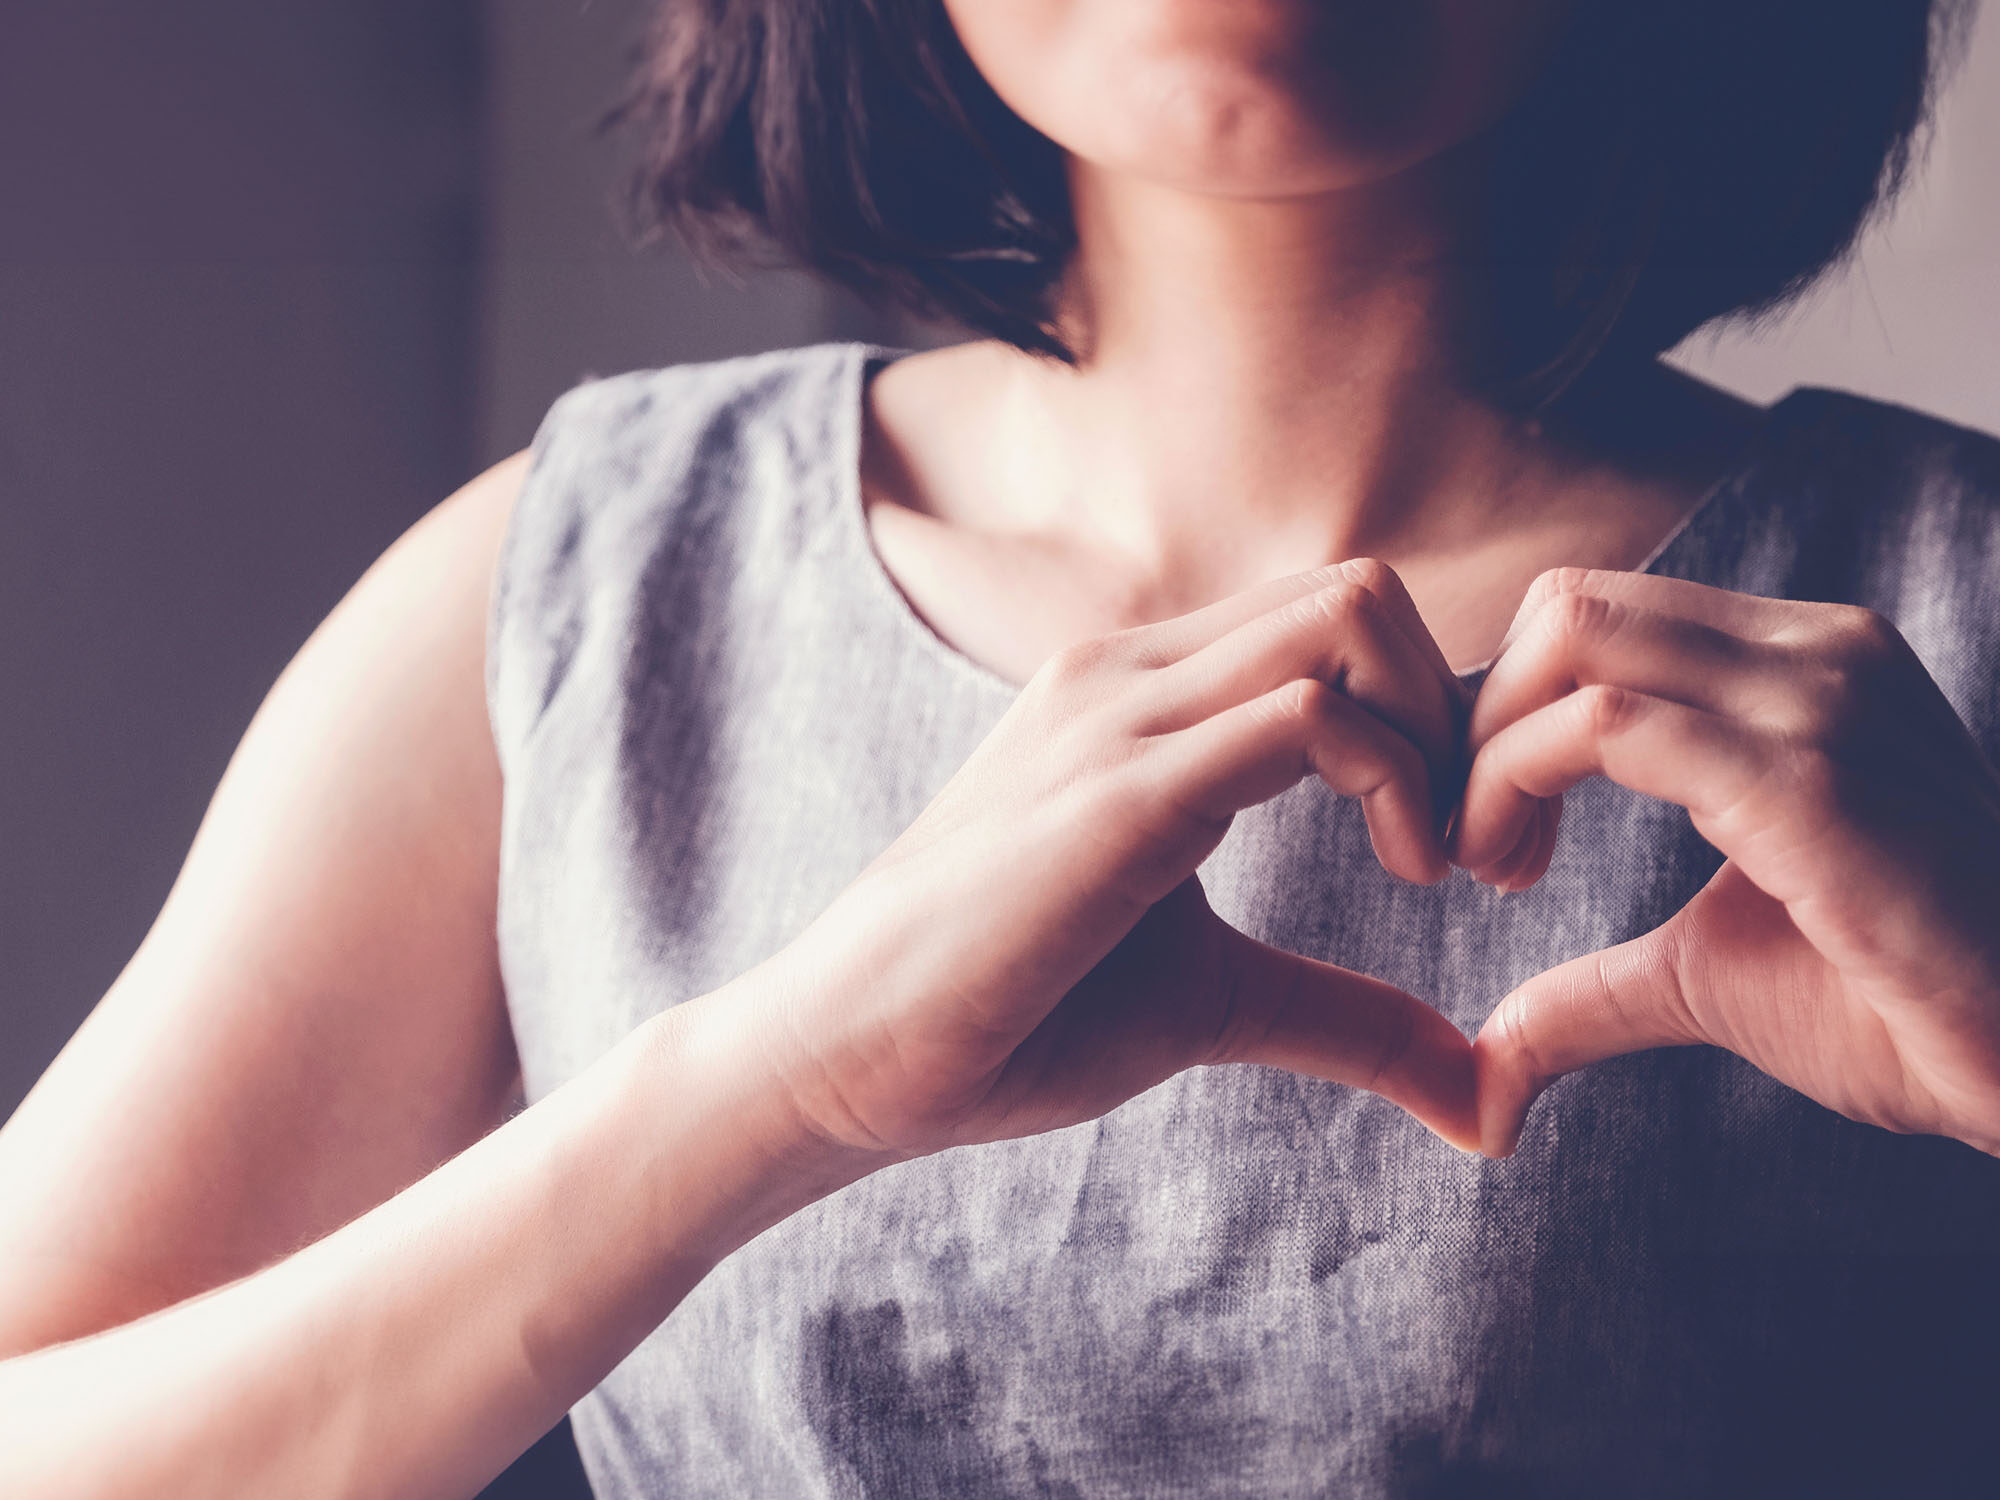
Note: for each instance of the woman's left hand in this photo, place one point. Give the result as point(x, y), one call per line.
point(1850, 944)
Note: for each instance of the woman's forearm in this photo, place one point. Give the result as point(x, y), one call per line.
point(421, 1347)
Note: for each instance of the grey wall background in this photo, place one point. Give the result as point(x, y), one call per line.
point(276, 278)
point(1916, 318)
point(563, 292)
point(238, 265)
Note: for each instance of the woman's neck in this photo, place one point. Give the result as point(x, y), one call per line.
point(1263, 382)
point(1263, 388)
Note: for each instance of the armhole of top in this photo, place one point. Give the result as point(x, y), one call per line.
point(536, 514)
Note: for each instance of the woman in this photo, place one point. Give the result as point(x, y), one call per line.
point(914, 767)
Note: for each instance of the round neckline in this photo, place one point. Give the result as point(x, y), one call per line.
point(851, 503)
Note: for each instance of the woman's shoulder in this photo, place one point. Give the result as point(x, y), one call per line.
point(1851, 499)
point(1883, 505)
point(693, 415)
point(744, 445)
point(748, 448)
point(671, 494)
point(1898, 472)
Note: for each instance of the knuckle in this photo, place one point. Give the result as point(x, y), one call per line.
point(1339, 604)
point(1369, 573)
point(1080, 661)
point(1310, 581)
point(1553, 583)
point(1676, 953)
point(1836, 686)
point(1570, 617)
point(1866, 644)
point(1510, 1025)
point(1866, 634)
point(1396, 1045)
point(1606, 709)
point(1330, 613)
point(1307, 700)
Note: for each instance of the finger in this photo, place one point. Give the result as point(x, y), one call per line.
point(1166, 641)
point(1344, 636)
point(1313, 1018)
point(1578, 639)
point(1702, 761)
point(1385, 584)
point(1383, 581)
point(1525, 863)
point(1740, 614)
point(1171, 640)
point(1249, 753)
point(1623, 999)
point(1517, 853)
point(1548, 816)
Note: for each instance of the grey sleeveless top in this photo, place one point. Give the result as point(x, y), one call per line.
point(713, 707)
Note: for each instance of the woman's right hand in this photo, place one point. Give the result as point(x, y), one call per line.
point(1036, 949)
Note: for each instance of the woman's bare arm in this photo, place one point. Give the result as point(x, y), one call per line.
point(313, 1025)
point(315, 1019)
point(417, 1350)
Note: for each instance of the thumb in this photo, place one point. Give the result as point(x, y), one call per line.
point(1622, 999)
point(1296, 1013)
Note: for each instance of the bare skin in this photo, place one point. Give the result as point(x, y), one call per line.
point(316, 1018)
point(1011, 545)
point(230, 1260)
point(1272, 382)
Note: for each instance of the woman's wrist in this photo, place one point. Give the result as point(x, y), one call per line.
point(735, 1154)
point(420, 1346)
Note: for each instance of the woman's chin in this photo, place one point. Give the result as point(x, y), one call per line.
point(1225, 134)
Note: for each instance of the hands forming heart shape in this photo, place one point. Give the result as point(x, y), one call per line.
point(1036, 949)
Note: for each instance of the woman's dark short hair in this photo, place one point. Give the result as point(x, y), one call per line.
point(1676, 161)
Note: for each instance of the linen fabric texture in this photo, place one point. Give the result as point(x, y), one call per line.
point(713, 707)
